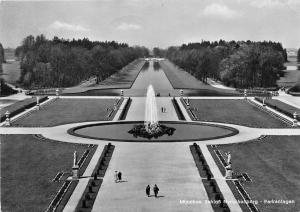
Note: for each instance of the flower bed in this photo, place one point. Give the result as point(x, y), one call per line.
point(280, 107)
point(20, 107)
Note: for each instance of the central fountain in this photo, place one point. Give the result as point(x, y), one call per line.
point(151, 127)
point(151, 120)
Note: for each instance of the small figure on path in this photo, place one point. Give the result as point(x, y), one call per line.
point(119, 176)
point(162, 109)
point(155, 190)
point(148, 190)
point(116, 176)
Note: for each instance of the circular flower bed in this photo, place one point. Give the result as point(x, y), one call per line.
point(154, 132)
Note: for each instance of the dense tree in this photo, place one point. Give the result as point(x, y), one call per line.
point(62, 63)
point(2, 59)
point(239, 64)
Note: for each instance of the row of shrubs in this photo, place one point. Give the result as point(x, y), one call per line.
point(210, 185)
point(189, 110)
point(20, 107)
point(57, 199)
point(178, 110)
point(125, 109)
point(270, 103)
point(89, 195)
point(113, 112)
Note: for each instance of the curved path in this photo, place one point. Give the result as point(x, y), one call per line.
point(170, 165)
point(60, 133)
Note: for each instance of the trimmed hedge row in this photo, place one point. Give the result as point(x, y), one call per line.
point(125, 109)
point(212, 189)
point(20, 107)
point(178, 110)
point(89, 195)
point(280, 107)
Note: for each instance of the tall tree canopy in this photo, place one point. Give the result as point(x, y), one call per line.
point(241, 64)
point(2, 59)
point(62, 63)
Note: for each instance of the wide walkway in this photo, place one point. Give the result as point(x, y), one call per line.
point(289, 99)
point(136, 111)
point(170, 166)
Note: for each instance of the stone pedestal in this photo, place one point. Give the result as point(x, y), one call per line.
point(295, 121)
point(37, 102)
point(7, 120)
point(263, 103)
point(245, 94)
point(75, 172)
point(57, 93)
point(188, 106)
point(228, 174)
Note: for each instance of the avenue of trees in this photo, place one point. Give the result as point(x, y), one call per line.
point(62, 63)
point(2, 59)
point(237, 64)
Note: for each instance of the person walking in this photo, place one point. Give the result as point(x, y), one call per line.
point(155, 190)
point(119, 176)
point(148, 190)
point(116, 176)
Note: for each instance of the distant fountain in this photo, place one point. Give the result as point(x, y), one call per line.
point(151, 127)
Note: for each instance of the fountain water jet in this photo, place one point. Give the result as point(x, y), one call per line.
point(151, 120)
point(151, 128)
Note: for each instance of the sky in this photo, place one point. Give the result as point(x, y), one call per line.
point(152, 23)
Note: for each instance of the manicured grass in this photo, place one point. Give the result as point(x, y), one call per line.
point(281, 106)
point(182, 132)
point(273, 164)
point(290, 78)
point(234, 112)
point(122, 79)
point(180, 79)
point(64, 111)
point(27, 167)
point(19, 107)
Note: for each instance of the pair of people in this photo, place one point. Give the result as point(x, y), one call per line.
point(118, 176)
point(155, 190)
point(163, 109)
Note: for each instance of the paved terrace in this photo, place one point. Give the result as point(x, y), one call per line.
point(169, 165)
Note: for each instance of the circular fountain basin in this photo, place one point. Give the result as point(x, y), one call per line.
point(185, 131)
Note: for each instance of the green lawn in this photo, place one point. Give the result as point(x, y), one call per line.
point(234, 112)
point(64, 111)
point(274, 167)
point(281, 106)
point(181, 79)
point(27, 167)
point(122, 79)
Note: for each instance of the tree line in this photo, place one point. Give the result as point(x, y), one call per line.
point(63, 63)
point(2, 58)
point(298, 55)
point(240, 64)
